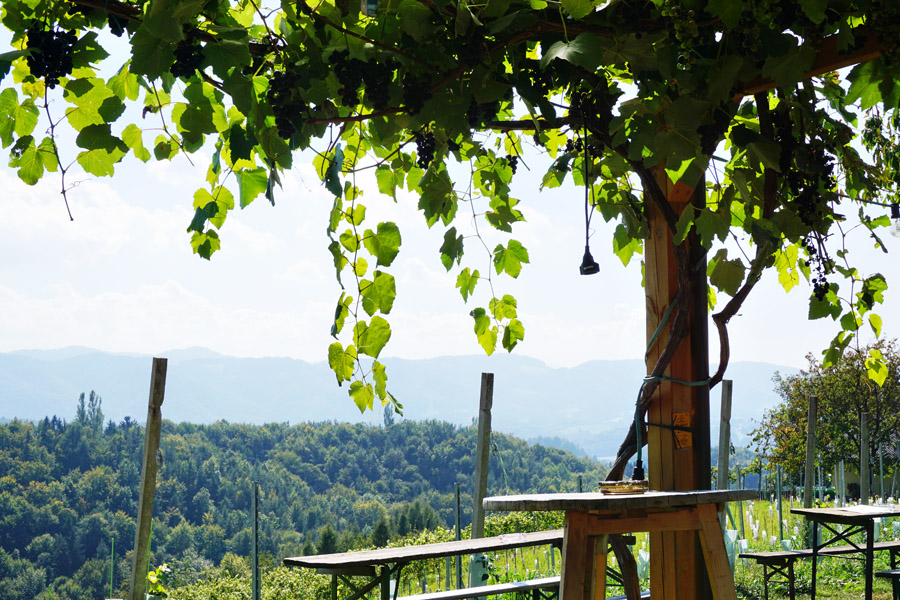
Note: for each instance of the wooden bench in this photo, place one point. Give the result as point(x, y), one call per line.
point(384, 564)
point(781, 562)
point(894, 576)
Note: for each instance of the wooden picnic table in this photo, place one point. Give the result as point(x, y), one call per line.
point(856, 519)
point(382, 564)
point(591, 517)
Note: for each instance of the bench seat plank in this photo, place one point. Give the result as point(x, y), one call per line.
point(406, 554)
point(488, 590)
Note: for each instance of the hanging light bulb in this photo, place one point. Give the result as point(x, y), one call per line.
point(588, 265)
point(895, 216)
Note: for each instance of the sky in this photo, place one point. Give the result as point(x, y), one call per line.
point(121, 277)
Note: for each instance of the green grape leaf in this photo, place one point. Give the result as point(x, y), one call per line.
point(378, 294)
point(363, 395)
point(371, 337)
point(225, 54)
point(466, 282)
point(452, 248)
point(341, 312)
point(332, 176)
point(829, 306)
point(380, 376)
point(415, 19)
point(726, 275)
point(384, 243)
point(513, 333)
point(585, 51)
point(814, 9)
point(251, 183)
point(133, 137)
point(510, 258)
point(728, 10)
point(876, 367)
point(578, 8)
point(124, 84)
point(206, 243)
point(389, 180)
point(503, 308)
point(875, 324)
point(150, 55)
point(342, 361)
point(27, 160)
point(484, 331)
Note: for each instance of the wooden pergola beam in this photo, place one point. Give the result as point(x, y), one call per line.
point(830, 58)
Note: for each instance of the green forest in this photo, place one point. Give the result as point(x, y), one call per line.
point(69, 490)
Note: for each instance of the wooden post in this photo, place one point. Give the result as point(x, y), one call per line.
point(482, 453)
point(809, 478)
point(864, 458)
point(881, 470)
point(677, 461)
point(254, 548)
point(458, 537)
point(724, 441)
point(140, 562)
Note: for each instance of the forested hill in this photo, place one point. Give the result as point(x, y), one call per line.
point(68, 490)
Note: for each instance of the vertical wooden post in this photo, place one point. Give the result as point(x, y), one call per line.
point(724, 442)
point(809, 477)
point(141, 560)
point(254, 548)
point(482, 453)
point(458, 537)
point(682, 461)
point(864, 458)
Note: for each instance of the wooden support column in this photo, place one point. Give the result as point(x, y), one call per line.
point(141, 558)
point(677, 460)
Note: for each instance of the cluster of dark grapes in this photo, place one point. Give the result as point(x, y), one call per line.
point(479, 114)
point(424, 148)
point(813, 171)
point(593, 107)
point(188, 56)
point(378, 78)
point(286, 103)
point(416, 91)
point(116, 27)
point(541, 79)
point(349, 73)
point(513, 161)
point(50, 53)
point(73, 8)
point(576, 146)
point(471, 50)
point(821, 265)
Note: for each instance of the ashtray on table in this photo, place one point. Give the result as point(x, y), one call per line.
point(631, 486)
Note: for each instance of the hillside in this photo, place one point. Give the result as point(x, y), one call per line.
point(68, 492)
point(588, 405)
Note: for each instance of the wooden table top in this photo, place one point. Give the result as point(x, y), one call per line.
point(613, 502)
point(849, 514)
point(405, 554)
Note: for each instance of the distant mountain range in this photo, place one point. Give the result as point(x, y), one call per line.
point(585, 407)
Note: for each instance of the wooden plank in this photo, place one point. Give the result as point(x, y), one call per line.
point(489, 590)
point(600, 551)
point(713, 544)
point(141, 556)
point(595, 501)
point(482, 453)
point(683, 520)
point(577, 564)
point(407, 554)
point(829, 59)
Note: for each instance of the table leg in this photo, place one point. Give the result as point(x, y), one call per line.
point(721, 579)
point(600, 559)
point(815, 558)
point(870, 555)
point(577, 559)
